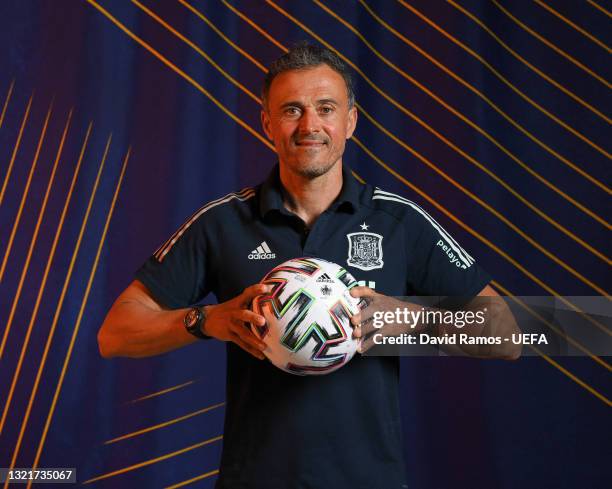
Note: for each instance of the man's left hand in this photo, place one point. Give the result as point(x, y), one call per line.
point(364, 322)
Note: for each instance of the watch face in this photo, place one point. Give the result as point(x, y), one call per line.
point(191, 318)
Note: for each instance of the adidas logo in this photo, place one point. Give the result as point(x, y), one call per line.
point(325, 279)
point(262, 252)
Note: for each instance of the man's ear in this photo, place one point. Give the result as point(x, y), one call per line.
point(265, 123)
point(352, 122)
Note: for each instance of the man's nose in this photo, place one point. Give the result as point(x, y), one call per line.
point(309, 122)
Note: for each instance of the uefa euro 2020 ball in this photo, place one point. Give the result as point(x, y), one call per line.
point(307, 312)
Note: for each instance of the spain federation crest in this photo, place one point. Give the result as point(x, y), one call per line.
point(365, 250)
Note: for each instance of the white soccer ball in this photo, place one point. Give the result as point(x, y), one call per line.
point(308, 329)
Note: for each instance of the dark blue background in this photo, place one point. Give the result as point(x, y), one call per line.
point(467, 423)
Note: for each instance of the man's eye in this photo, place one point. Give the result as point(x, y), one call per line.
point(326, 110)
point(292, 111)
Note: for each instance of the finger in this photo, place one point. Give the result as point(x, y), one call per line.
point(248, 316)
point(251, 328)
point(248, 348)
point(362, 291)
point(367, 339)
point(364, 315)
point(364, 328)
point(251, 292)
point(368, 342)
point(368, 327)
point(244, 332)
point(365, 344)
point(366, 309)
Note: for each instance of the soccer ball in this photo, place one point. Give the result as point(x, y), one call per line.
point(308, 310)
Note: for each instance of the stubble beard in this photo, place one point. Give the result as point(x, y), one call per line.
point(314, 171)
point(311, 170)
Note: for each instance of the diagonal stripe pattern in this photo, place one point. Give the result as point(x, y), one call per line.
point(546, 124)
point(354, 138)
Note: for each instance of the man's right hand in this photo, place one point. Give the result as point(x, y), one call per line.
point(229, 321)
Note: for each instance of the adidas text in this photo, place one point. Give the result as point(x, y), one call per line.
point(262, 256)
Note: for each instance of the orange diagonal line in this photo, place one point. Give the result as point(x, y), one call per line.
point(161, 392)
point(595, 358)
point(495, 212)
point(514, 123)
point(24, 197)
point(6, 101)
point(504, 290)
point(43, 283)
point(535, 69)
point(193, 479)
point(429, 128)
point(24, 272)
point(472, 160)
point(451, 109)
point(554, 328)
point(193, 46)
point(576, 27)
point(283, 48)
point(473, 196)
point(521, 94)
point(514, 227)
point(81, 311)
point(154, 460)
point(453, 182)
point(551, 326)
point(359, 179)
point(75, 252)
point(15, 150)
point(164, 424)
point(549, 44)
point(201, 52)
point(600, 8)
point(254, 26)
point(463, 82)
point(220, 34)
point(576, 379)
point(487, 242)
point(473, 232)
point(499, 180)
point(177, 70)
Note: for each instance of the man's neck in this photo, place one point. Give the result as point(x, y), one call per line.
point(308, 198)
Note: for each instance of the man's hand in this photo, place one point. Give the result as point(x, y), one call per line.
point(363, 321)
point(499, 322)
point(229, 321)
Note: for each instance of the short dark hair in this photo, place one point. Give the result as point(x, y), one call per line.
point(303, 56)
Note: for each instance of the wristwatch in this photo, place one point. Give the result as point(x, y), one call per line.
point(194, 320)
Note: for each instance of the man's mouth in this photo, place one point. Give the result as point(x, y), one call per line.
point(310, 142)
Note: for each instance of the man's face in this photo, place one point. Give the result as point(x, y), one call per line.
point(308, 119)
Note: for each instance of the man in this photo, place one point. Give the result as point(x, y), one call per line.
point(281, 431)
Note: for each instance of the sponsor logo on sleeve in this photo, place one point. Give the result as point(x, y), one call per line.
point(454, 259)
